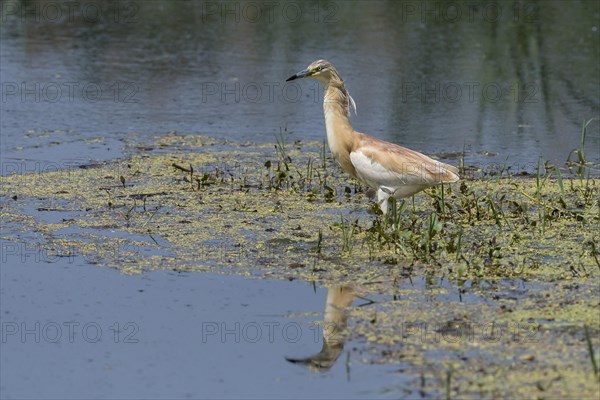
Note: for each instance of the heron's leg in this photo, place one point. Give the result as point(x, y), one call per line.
point(382, 200)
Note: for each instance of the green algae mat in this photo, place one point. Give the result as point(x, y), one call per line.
point(509, 305)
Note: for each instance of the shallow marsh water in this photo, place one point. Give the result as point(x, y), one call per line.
point(157, 211)
point(152, 335)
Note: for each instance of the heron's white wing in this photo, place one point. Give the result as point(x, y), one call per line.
point(398, 170)
point(373, 173)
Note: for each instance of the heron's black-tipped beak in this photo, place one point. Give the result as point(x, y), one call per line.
point(301, 74)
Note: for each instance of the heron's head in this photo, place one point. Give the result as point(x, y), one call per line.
point(321, 70)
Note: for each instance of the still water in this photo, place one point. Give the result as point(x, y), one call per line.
point(165, 335)
point(513, 79)
point(72, 330)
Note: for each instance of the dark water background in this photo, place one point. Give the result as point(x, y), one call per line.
point(513, 78)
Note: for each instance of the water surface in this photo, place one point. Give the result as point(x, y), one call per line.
point(515, 79)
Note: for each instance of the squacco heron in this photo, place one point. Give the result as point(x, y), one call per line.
point(392, 170)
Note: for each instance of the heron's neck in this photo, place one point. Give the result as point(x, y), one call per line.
point(340, 135)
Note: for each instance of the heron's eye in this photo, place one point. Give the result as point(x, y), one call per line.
point(319, 68)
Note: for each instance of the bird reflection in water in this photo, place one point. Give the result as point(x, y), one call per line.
point(335, 321)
